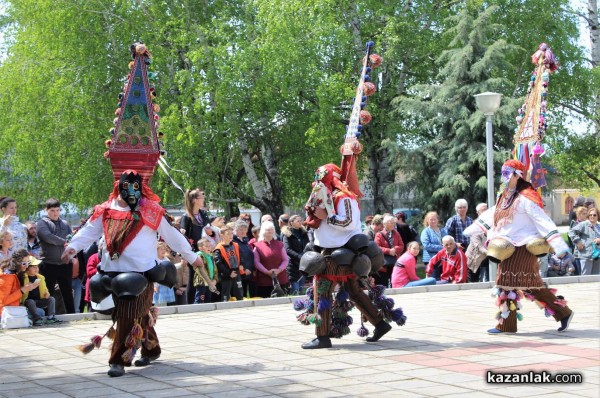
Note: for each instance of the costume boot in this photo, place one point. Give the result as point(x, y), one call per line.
point(319, 342)
point(380, 329)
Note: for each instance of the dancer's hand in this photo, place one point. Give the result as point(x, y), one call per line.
point(68, 255)
point(320, 213)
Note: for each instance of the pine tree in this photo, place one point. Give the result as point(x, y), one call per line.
point(451, 162)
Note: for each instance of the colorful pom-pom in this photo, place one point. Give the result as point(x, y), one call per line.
point(86, 348)
point(512, 295)
point(369, 88)
point(365, 117)
point(362, 331)
point(299, 305)
point(342, 295)
point(519, 316)
point(140, 49)
point(375, 60)
point(324, 305)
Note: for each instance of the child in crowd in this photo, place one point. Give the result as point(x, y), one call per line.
point(38, 297)
point(561, 266)
point(227, 260)
point(163, 296)
point(203, 294)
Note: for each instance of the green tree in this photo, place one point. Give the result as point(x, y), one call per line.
point(452, 162)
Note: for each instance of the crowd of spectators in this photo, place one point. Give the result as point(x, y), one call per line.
point(248, 261)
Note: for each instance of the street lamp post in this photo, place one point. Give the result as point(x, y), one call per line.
point(488, 103)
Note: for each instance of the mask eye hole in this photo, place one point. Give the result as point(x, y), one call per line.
point(125, 185)
point(136, 185)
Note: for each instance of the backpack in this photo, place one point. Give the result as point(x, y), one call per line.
point(14, 317)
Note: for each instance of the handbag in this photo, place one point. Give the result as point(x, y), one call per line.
point(14, 317)
point(388, 260)
point(595, 251)
point(278, 291)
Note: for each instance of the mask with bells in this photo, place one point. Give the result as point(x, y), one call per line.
point(130, 188)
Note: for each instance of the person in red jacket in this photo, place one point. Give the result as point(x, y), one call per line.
point(454, 262)
point(390, 242)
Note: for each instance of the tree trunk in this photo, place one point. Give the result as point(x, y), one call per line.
point(594, 27)
point(267, 193)
point(592, 21)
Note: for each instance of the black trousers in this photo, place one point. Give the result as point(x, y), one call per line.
point(61, 274)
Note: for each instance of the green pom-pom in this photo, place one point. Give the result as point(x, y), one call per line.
point(323, 286)
point(519, 316)
point(315, 319)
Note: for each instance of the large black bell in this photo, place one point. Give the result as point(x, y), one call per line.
point(361, 265)
point(342, 256)
point(377, 262)
point(358, 243)
point(98, 290)
point(312, 263)
point(372, 250)
point(157, 273)
point(170, 278)
point(128, 285)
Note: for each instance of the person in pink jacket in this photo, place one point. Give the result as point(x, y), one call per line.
point(405, 270)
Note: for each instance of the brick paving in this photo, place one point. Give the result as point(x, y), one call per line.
point(253, 350)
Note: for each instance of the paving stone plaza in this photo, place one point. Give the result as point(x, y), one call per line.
point(252, 349)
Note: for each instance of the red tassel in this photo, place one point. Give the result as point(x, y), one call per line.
point(96, 341)
point(86, 348)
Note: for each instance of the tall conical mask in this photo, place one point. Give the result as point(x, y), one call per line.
point(134, 142)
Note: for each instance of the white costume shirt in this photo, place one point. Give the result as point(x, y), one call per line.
point(337, 230)
point(140, 254)
point(529, 222)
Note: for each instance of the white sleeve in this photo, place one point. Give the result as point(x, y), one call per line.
point(483, 223)
point(176, 241)
point(545, 226)
point(88, 234)
point(346, 210)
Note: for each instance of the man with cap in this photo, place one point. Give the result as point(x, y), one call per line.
point(519, 220)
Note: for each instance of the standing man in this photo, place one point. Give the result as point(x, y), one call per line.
point(456, 225)
point(52, 232)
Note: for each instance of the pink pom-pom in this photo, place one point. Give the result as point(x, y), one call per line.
point(140, 49)
point(369, 88)
point(365, 117)
point(375, 60)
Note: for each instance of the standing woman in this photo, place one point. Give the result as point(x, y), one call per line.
point(295, 239)
point(192, 224)
point(583, 235)
point(390, 242)
point(431, 237)
point(270, 258)
point(10, 222)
